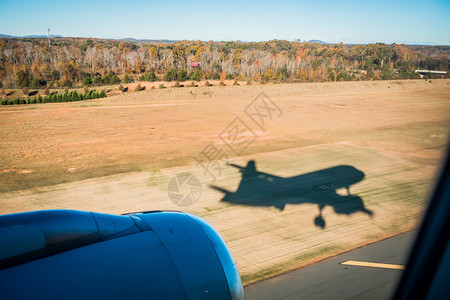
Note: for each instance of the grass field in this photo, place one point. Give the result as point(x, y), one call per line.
point(381, 140)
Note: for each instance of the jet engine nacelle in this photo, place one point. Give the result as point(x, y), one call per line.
point(65, 254)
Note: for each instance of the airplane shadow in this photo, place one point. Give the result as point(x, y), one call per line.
point(320, 187)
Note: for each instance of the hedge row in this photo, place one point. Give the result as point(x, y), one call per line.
point(54, 97)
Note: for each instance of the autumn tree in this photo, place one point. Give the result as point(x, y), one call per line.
point(22, 77)
point(223, 75)
point(268, 74)
point(140, 66)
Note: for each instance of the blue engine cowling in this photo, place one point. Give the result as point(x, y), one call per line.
point(65, 254)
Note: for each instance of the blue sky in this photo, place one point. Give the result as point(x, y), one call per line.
point(424, 22)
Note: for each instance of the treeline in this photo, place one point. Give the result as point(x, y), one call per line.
point(54, 97)
point(94, 62)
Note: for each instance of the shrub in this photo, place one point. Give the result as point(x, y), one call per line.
point(235, 82)
point(93, 94)
point(148, 77)
point(55, 75)
point(216, 76)
point(35, 84)
point(153, 87)
point(161, 86)
point(222, 83)
point(192, 84)
point(126, 79)
point(249, 82)
point(175, 74)
point(177, 84)
point(170, 75)
point(46, 91)
point(342, 76)
point(207, 83)
point(181, 75)
point(97, 80)
point(54, 97)
point(110, 78)
point(282, 74)
point(152, 76)
point(86, 88)
point(196, 75)
point(121, 87)
point(114, 79)
point(138, 88)
point(25, 91)
point(86, 80)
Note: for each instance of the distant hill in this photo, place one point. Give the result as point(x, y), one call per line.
point(28, 36)
point(317, 42)
point(42, 36)
point(147, 41)
point(132, 40)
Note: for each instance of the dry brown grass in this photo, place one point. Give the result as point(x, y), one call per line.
point(117, 155)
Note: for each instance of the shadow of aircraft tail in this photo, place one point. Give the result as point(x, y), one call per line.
point(320, 187)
